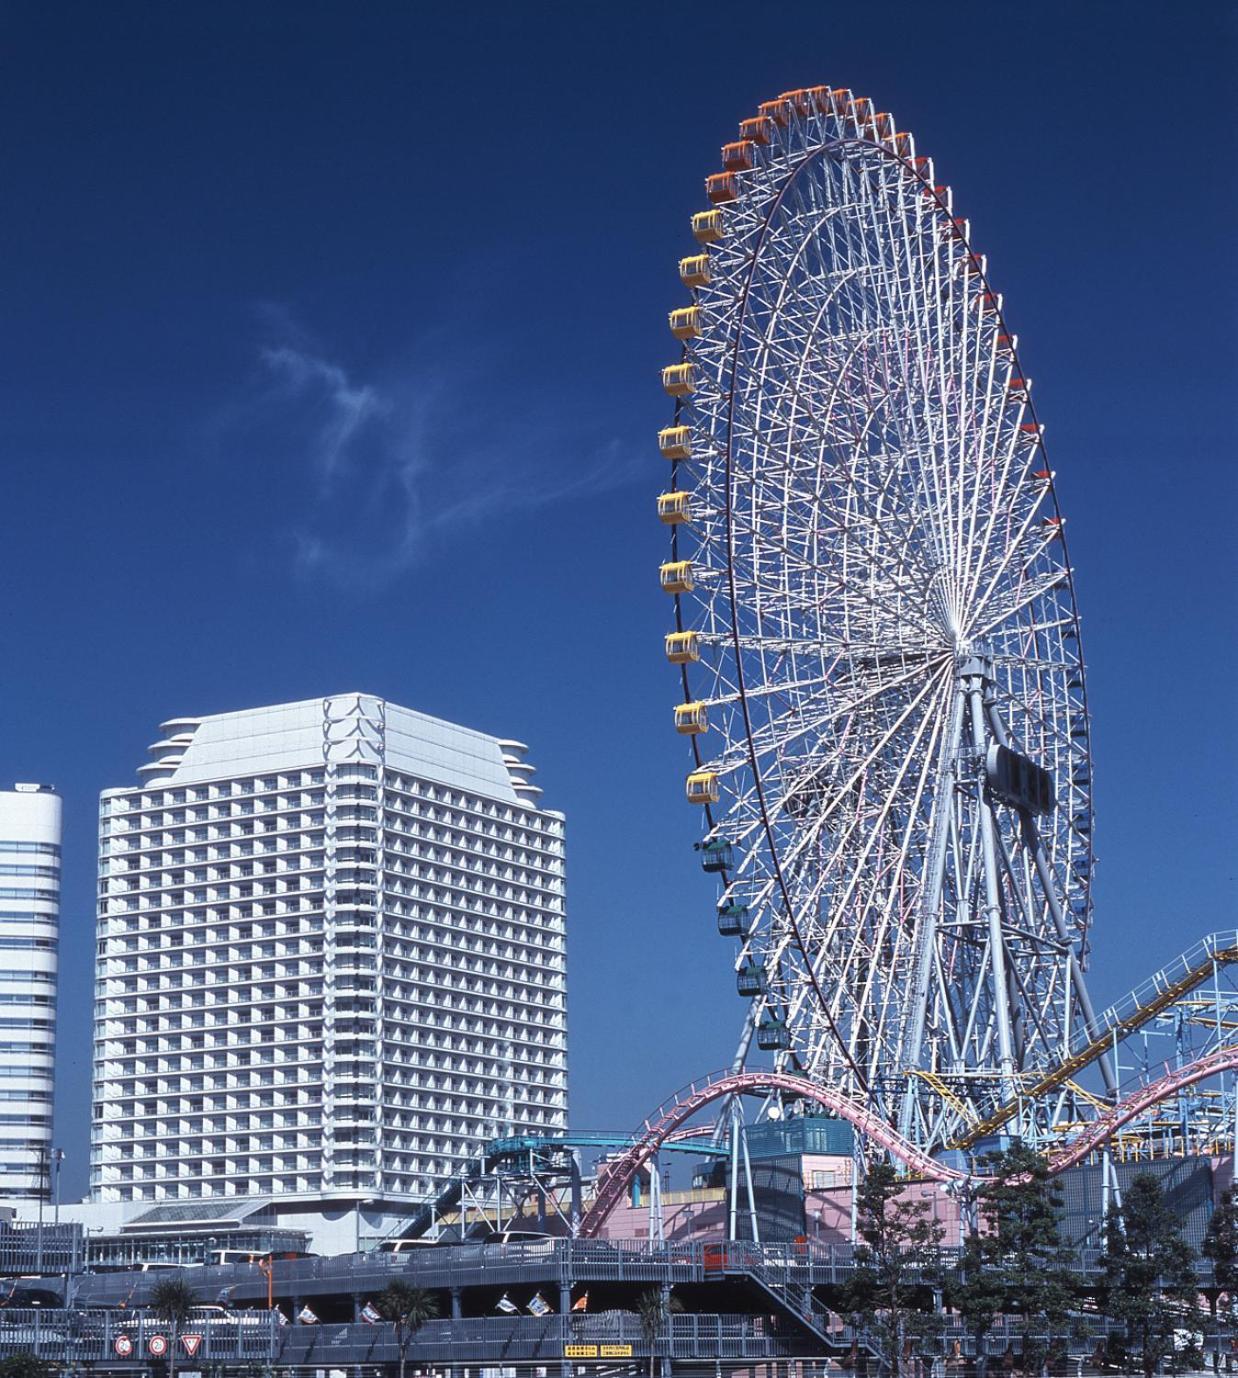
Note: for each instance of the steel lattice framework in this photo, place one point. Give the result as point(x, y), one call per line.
point(872, 596)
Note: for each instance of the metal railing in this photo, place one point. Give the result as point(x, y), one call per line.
point(555, 1263)
point(608, 1336)
point(30, 1248)
point(106, 1337)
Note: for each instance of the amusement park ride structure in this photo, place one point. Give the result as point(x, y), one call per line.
point(883, 680)
point(883, 690)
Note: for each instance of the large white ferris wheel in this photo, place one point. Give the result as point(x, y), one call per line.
point(875, 625)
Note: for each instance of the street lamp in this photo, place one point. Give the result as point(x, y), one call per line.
point(57, 1160)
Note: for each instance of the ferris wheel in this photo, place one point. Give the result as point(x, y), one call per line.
point(875, 628)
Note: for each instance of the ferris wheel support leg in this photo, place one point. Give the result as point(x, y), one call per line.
point(1031, 839)
point(745, 1040)
point(927, 935)
point(737, 1065)
point(992, 895)
point(734, 1184)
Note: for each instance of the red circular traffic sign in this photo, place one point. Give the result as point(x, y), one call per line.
point(157, 1345)
point(123, 1346)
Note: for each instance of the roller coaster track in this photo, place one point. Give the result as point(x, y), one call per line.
point(660, 1126)
point(1144, 1003)
point(1169, 985)
point(668, 1126)
point(1095, 1134)
point(614, 1176)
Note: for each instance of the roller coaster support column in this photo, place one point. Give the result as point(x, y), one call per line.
point(657, 1225)
point(733, 1196)
point(976, 677)
point(577, 1204)
point(752, 1205)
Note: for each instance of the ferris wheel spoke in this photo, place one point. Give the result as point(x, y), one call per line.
point(936, 499)
point(897, 887)
point(1016, 601)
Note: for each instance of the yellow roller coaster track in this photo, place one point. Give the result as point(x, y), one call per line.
point(1168, 986)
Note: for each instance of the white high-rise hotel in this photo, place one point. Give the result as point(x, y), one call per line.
point(330, 956)
point(29, 933)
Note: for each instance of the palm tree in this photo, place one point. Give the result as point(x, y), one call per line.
point(654, 1309)
point(408, 1309)
point(173, 1300)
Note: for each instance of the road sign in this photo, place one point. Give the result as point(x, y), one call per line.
point(580, 1351)
point(123, 1346)
point(192, 1344)
point(157, 1346)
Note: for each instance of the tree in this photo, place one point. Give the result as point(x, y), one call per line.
point(1220, 1248)
point(173, 1300)
point(654, 1309)
point(408, 1309)
point(1016, 1261)
point(25, 1365)
point(975, 1290)
point(896, 1258)
point(1147, 1270)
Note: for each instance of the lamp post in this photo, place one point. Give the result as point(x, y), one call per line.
point(57, 1160)
point(44, 1163)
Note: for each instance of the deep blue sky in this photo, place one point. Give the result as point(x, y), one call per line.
point(330, 353)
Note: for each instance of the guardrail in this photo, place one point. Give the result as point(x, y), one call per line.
point(105, 1338)
point(611, 1336)
point(554, 1263)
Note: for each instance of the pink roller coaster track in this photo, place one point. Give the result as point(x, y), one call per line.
point(669, 1118)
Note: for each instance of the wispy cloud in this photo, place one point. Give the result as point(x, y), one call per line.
point(343, 408)
point(387, 468)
